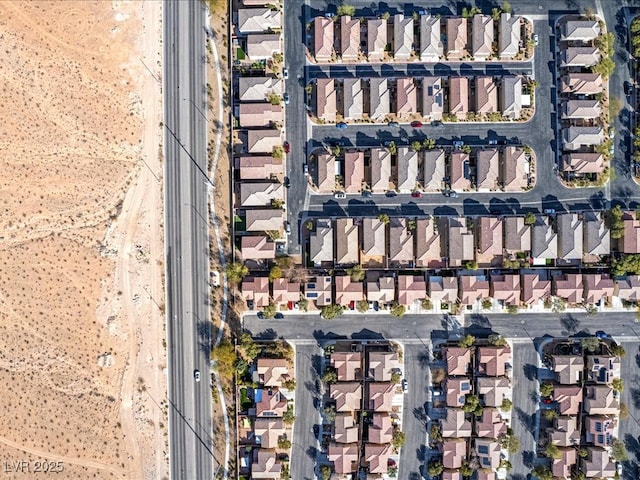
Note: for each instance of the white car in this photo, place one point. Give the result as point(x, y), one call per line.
point(535, 39)
point(196, 375)
point(405, 386)
point(285, 73)
point(340, 195)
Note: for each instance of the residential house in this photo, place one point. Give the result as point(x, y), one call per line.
point(382, 365)
point(506, 289)
point(583, 163)
point(263, 141)
point(257, 247)
point(569, 236)
point(345, 430)
point(376, 38)
point(493, 390)
point(581, 109)
point(348, 292)
point(544, 241)
point(374, 241)
point(432, 98)
point(258, 89)
point(581, 83)
point(428, 247)
point(400, 242)
point(573, 138)
point(486, 94)
point(568, 286)
point(459, 97)
point(514, 169)
point(490, 424)
point(458, 360)
point(517, 235)
point(349, 38)
point(535, 287)
point(448, 474)
point(407, 160)
point(353, 170)
point(567, 369)
point(411, 289)
point(382, 291)
point(511, 97)
point(377, 458)
point(454, 452)
point(443, 290)
point(347, 244)
point(268, 431)
point(603, 368)
point(434, 169)
point(380, 396)
point(323, 34)
point(265, 464)
point(598, 464)
point(564, 432)
point(379, 99)
point(270, 402)
point(561, 467)
point(579, 56)
point(257, 20)
point(263, 220)
point(489, 239)
point(380, 170)
point(326, 172)
point(482, 37)
point(456, 37)
point(326, 99)
point(430, 44)
point(285, 291)
point(406, 97)
point(348, 365)
point(599, 430)
point(347, 395)
point(568, 398)
point(485, 474)
point(457, 241)
point(353, 98)
point(597, 287)
point(628, 288)
point(488, 452)
point(455, 425)
point(510, 31)
point(455, 390)
point(473, 288)
point(263, 46)
point(344, 457)
point(259, 167)
point(271, 372)
point(381, 429)
point(321, 243)
point(493, 360)
point(319, 289)
point(459, 174)
point(402, 37)
point(255, 291)
point(579, 30)
point(631, 238)
point(487, 169)
point(259, 194)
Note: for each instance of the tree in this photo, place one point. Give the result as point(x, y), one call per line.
point(435, 468)
point(275, 273)
point(346, 10)
point(393, 148)
point(618, 451)
point(471, 265)
point(396, 377)
point(330, 376)
point(513, 444)
point(330, 414)
point(331, 311)
point(274, 99)
point(269, 311)
point(506, 464)
point(578, 476)
point(605, 67)
point(506, 7)
point(435, 434)
point(428, 143)
point(546, 389)
point(486, 303)
point(529, 218)
point(289, 384)
point(618, 350)
point(236, 272)
point(615, 106)
point(224, 354)
point(617, 384)
point(495, 14)
point(624, 411)
point(284, 443)
point(247, 348)
point(384, 218)
point(550, 414)
point(427, 304)
point(278, 151)
point(466, 149)
point(583, 453)
point(542, 473)
point(325, 472)
point(279, 349)
point(467, 341)
point(552, 451)
point(506, 405)
point(398, 310)
point(605, 43)
point(590, 344)
point(416, 145)
point(466, 470)
point(628, 264)
point(399, 439)
point(471, 403)
point(357, 273)
point(288, 417)
point(277, 202)
point(362, 306)
point(273, 234)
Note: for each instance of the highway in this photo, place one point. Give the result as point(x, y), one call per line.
point(186, 239)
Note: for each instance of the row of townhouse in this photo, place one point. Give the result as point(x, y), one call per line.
point(587, 408)
point(531, 287)
point(485, 169)
point(364, 411)
point(257, 32)
point(426, 98)
point(475, 421)
point(438, 38)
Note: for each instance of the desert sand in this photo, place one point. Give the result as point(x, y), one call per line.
point(82, 354)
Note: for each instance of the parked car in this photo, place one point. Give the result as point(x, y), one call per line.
point(366, 194)
point(285, 73)
point(196, 375)
point(287, 182)
point(405, 386)
point(535, 39)
point(340, 195)
point(416, 194)
point(287, 147)
point(278, 316)
point(393, 124)
point(288, 228)
point(458, 143)
point(260, 315)
point(416, 124)
point(436, 123)
point(493, 142)
point(601, 335)
point(285, 97)
point(341, 126)
point(305, 169)
point(549, 211)
point(450, 194)
point(390, 193)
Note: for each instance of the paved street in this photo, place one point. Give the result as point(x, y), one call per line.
point(629, 431)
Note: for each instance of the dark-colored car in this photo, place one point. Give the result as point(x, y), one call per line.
point(416, 194)
point(260, 315)
point(279, 316)
point(390, 194)
point(285, 97)
point(287, 147)
point(601, 335)
point(393, 124)
point(287, 182)
point(366, 194)
point(416, 124)
point(341, 126)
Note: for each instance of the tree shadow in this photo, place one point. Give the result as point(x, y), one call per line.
point(632, 445)
point(420, 414)
point(527, 420)
point(528, 458)
point(479, 321)
point(530, 371)
point(570, 323)
point(268, 334)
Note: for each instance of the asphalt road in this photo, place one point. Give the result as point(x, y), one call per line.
point(186, 236)
point(629, 430)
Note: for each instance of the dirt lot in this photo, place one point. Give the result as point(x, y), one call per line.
point(81, 254)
